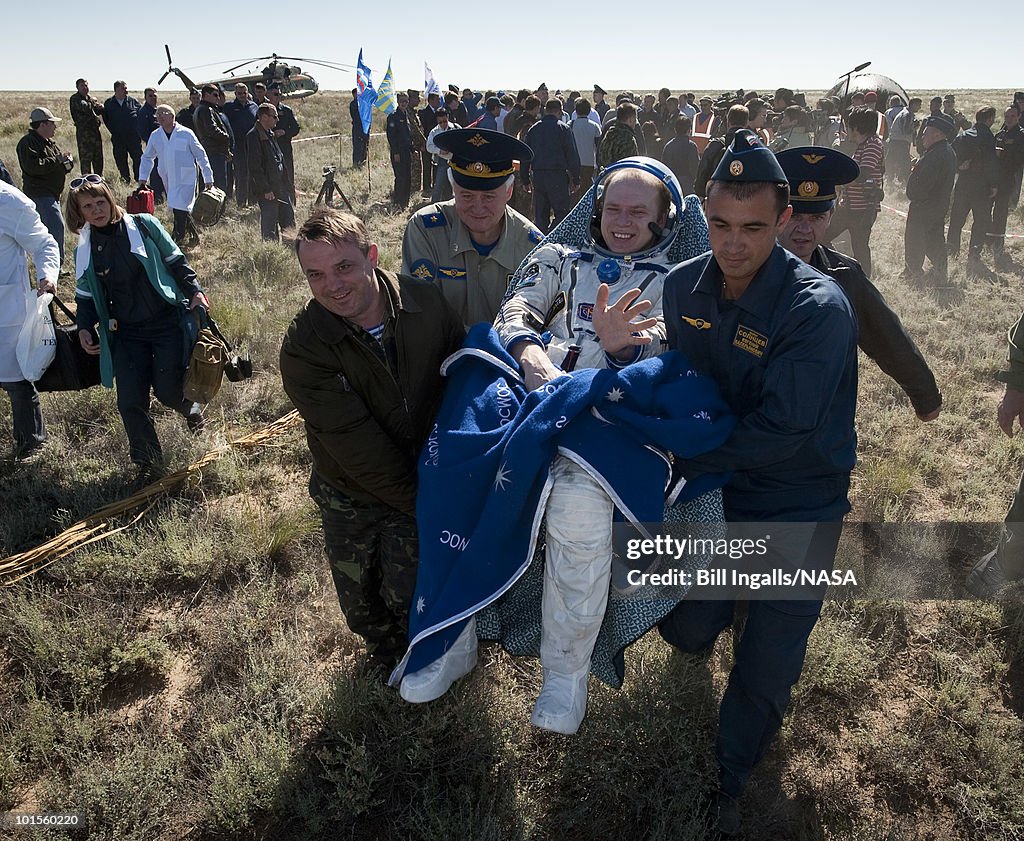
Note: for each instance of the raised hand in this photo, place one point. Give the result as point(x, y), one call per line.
point(615, 326)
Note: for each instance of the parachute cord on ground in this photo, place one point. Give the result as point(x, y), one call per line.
point(100, 524)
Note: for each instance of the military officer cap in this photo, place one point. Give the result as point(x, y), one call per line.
point(943, 122)
point(814, 172)
point(747, 159)
point(600, 90)
point(273, 86)
point(482, 158)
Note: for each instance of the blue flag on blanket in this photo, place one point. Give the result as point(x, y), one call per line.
point(483, 474)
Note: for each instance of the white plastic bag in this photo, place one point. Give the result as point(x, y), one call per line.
point(37, 344)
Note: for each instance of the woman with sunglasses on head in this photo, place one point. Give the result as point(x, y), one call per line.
point(134, 286)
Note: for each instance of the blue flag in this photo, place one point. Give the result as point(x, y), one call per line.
point(367, 96)
point(386, 101)
point(429, 85)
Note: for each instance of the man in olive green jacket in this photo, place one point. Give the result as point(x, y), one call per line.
point(361, 362)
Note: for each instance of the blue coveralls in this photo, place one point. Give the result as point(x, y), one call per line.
point(785, 358)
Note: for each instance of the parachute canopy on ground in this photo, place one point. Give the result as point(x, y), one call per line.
point(864, 82)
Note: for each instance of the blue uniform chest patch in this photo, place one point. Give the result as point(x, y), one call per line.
point(434, 220)
point(585, 312)
point(422, 269)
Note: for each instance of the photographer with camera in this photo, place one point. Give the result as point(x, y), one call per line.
point(43, 170)
point(861, 200)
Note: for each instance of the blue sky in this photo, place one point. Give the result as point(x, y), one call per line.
point(716, 46)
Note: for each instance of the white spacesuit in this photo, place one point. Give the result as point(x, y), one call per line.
point(638, 209)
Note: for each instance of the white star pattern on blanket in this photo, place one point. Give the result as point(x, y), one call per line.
point(502, 478)
point(615, 395)
point(421, 604)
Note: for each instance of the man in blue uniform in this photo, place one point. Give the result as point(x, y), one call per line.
point(120, 116)
point(401, 145)
point(555, 171)
point(780, 339)
point(814, 173)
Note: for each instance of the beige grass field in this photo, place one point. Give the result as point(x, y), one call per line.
point(192, 678)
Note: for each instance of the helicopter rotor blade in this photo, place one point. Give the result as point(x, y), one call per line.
point(167, 49)
point(160, 81)
point(331, 65)
point(248, 61)
point(861, 67)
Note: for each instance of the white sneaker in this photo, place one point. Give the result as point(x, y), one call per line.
point(562, 702)
point(431, 682)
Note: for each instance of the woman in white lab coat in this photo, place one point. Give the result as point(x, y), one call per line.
point(178, 151)
point(21, 233)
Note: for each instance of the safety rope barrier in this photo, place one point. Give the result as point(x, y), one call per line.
point(903, 213)
point(100, 525)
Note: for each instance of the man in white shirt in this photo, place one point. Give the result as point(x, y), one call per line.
point(442, 186)
point(22, 234)
point(178, 151)
point(587, 134)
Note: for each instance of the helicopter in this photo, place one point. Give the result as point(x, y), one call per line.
point(294, 83)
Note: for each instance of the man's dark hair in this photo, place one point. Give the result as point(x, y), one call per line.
point(208, 89)
point(523, 93)
point(553, 106)
point(746, 190)
point(335, 227)
point(863, 120)
point(624, 111)
point(683, 125)
point(79, 82)
point(582, 106)
point(532, 103)
point(985, 114)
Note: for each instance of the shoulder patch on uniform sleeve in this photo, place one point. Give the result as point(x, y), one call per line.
point(422, 269)
point(434, 220)
point(535, 236)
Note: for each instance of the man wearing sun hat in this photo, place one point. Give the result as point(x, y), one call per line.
point(472, 244)
point(780, 339)
point(814, 173)
point(44, 168)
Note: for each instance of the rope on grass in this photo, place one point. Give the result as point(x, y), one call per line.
point(102, 524)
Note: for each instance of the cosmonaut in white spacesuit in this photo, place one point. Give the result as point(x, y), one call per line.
point(558, 317)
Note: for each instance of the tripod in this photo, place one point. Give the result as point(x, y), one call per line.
point(327, 191)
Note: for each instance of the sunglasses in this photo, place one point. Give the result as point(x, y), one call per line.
point(91, 178)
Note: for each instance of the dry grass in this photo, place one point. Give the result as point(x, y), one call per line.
point(192, 676)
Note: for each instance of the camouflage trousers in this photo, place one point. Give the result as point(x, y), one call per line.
point(373, 553)
point(90, 153)
point(416, 171)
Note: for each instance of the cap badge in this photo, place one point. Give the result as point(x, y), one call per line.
point(478, 141)
point(736, 168)
point(808, 189)
point(813, 159)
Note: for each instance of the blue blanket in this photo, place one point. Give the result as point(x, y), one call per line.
point(483, 474)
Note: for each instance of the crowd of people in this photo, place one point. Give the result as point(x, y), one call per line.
point(522, 370)
point(573, 138)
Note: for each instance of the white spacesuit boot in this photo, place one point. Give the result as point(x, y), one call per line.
point(576, 575)
point(431, 682)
